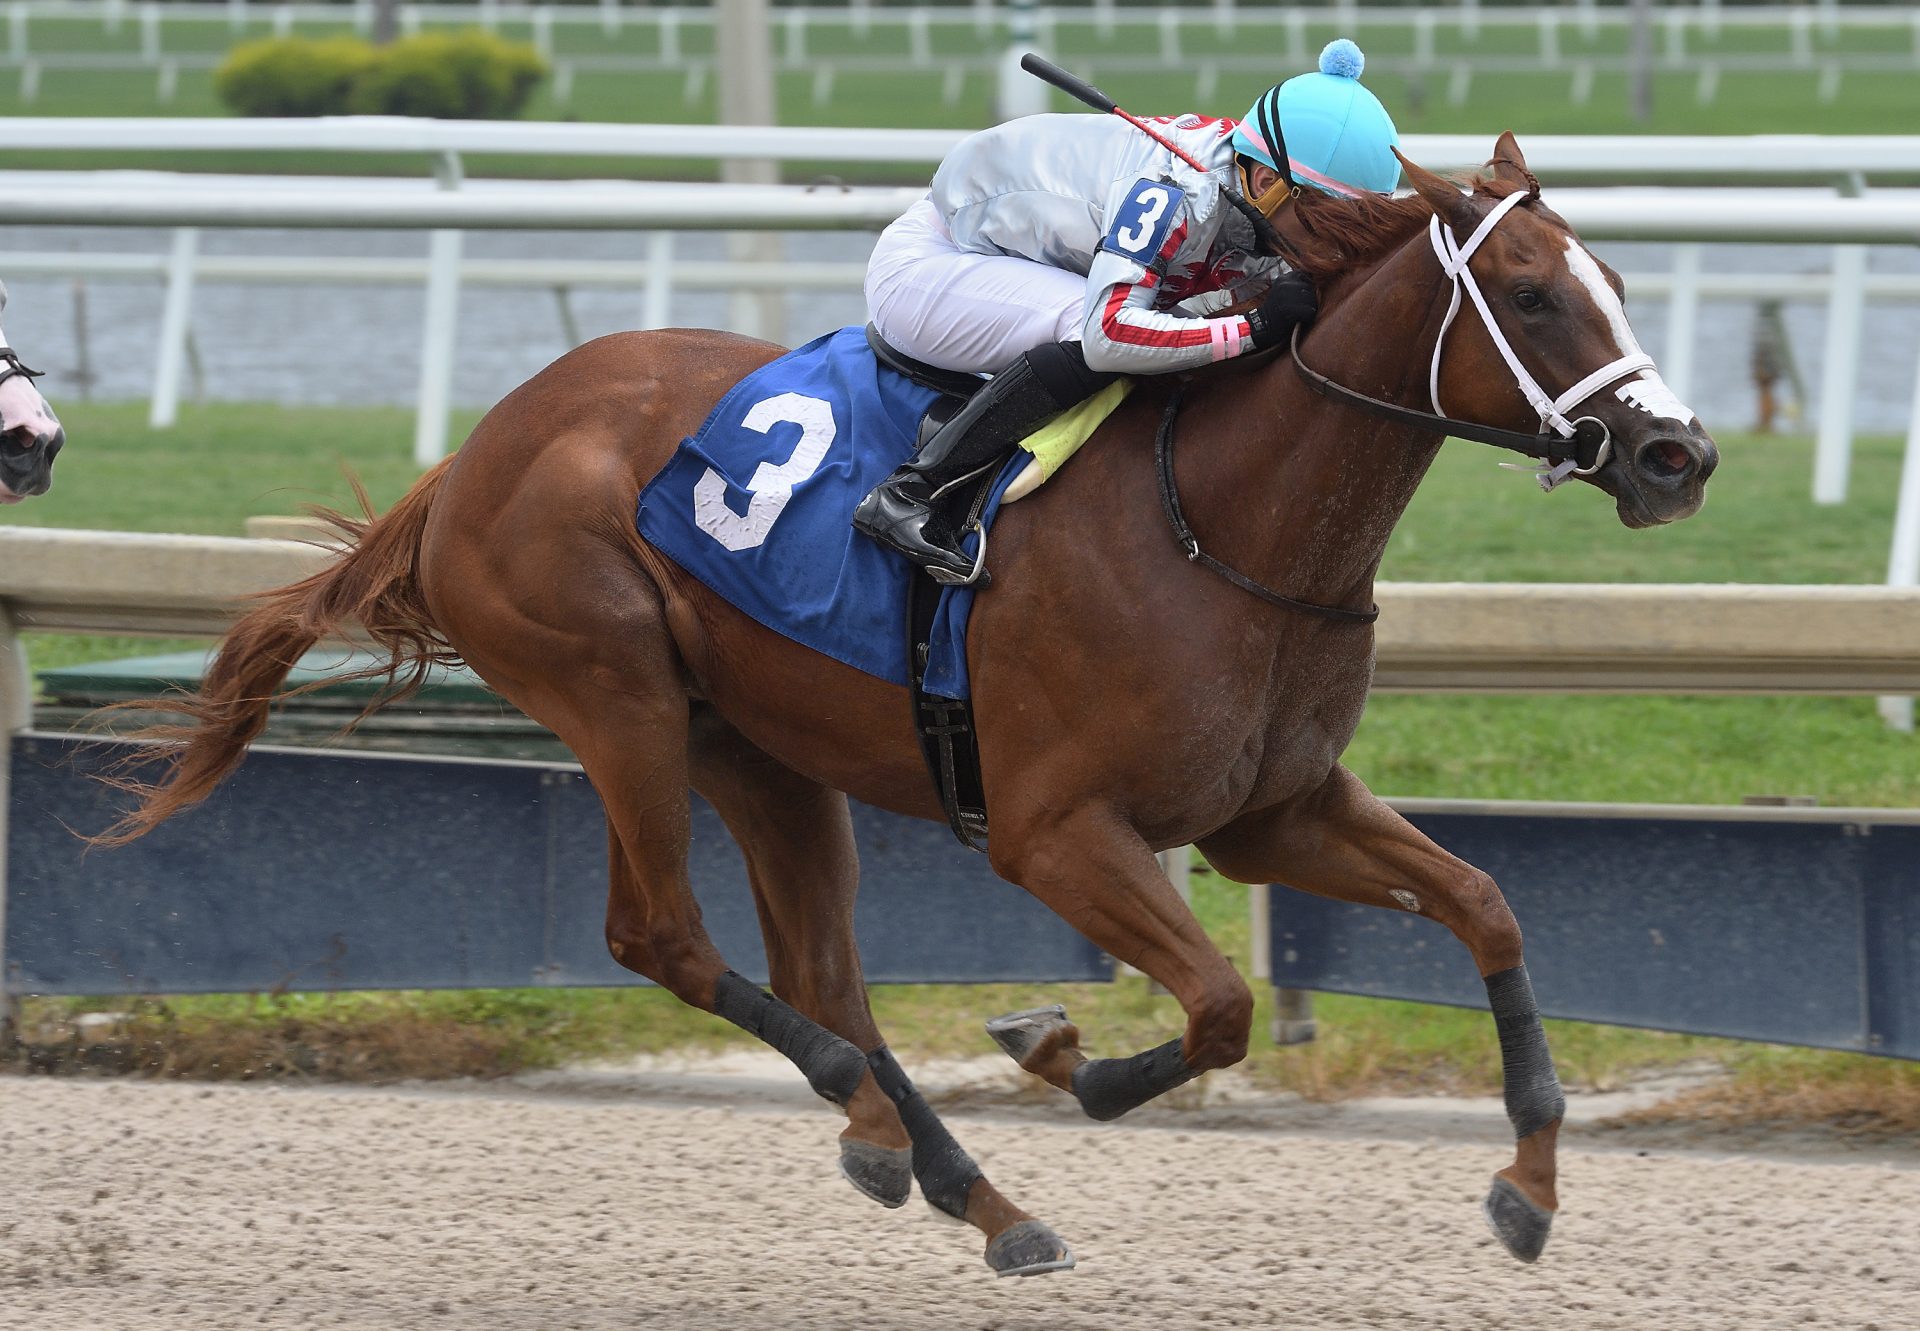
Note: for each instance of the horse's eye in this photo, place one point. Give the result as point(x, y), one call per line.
point(1527, 298)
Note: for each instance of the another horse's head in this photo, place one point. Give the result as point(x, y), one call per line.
point(30, 434)
point(1559, 310)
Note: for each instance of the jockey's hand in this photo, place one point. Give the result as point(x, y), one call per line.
point(1289, 303)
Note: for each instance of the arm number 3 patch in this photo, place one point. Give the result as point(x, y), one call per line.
point(1141, 223)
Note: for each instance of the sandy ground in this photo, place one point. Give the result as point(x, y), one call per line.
point(663, 1201)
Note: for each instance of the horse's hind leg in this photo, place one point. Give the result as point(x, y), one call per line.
point(591, 658)
point(797, 838)
point(637, 759)
point(1344, 843)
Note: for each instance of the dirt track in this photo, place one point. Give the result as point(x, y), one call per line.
point(135, 1205)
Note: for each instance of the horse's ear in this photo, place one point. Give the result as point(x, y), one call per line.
point(1443, 196)
point(1510, 164)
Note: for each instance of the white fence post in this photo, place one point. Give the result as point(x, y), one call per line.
point(176, 320)
point(442, 326)
point(1683, 319)
point(658, 310)
point(744, 53)
point(1903, 560)
point(1019, 93)
point(1833, 449)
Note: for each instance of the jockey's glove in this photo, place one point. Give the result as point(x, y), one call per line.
point(1289, 302)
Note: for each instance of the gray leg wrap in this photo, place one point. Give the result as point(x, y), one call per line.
point(1109, 1087)
point(1533, 1087)
point(833, 1067)
point(945, 1171)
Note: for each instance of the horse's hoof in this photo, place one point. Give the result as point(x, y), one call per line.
point(884, 1174)
point(1028, 1249)
point(1520, 1226)
point(1020, 1033)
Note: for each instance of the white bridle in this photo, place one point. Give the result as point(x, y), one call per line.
point(1453, 258)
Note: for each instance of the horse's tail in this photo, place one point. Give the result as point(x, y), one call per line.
point(374, 583)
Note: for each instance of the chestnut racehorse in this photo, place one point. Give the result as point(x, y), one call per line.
point(1128, 699)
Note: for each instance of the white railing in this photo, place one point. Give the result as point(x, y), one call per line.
point(1562, 158)
point(1889, 217)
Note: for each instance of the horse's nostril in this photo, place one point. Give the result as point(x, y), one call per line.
point(1665, 460)
point(54, 443)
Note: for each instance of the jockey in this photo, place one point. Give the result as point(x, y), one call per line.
point(1061, 251)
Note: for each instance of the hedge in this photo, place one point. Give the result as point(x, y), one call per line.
point(468, 75)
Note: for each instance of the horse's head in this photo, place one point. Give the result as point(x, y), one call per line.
point(1570, 357)
point(30, 434)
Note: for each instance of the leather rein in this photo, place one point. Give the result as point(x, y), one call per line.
point(1577, 447)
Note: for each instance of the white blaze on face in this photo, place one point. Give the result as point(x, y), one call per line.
point(22, 405)
point(1647, 390)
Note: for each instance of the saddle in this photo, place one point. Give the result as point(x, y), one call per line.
point(948, 741)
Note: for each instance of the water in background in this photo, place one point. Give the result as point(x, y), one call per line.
point(324, 345)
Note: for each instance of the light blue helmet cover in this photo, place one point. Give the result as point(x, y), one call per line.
point(1339, 138)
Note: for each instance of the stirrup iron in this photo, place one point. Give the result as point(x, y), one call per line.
point(947, 578)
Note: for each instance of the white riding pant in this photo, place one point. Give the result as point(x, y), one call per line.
point(964, 311)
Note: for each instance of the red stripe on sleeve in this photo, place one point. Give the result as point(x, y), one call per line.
point(1118, 330)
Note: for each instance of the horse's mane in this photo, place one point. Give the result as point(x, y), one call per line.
point(1342, 235)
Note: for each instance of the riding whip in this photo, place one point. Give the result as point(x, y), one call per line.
point(1080, 90)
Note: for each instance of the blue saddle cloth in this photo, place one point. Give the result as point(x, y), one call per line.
point(757, 506)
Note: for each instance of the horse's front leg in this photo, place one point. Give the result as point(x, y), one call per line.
point(1345, 843)
point(1094, 870)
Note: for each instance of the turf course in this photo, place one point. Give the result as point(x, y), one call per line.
point(1470, 521)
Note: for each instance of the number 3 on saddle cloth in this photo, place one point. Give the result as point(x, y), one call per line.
point(757, 505)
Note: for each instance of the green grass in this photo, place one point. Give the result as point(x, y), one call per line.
point(1470, 521)
point(1529, 103)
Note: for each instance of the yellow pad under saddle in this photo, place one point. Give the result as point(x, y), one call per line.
point(1060, 438)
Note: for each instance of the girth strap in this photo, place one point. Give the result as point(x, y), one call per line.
point(1170, 504)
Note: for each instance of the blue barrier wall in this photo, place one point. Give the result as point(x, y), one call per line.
point(1801, 927)
point(314, 871)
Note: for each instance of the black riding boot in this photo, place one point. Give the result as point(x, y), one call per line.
point(1014, 403)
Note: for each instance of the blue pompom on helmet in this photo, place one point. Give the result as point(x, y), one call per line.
point(1337, 136)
